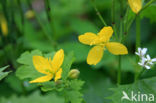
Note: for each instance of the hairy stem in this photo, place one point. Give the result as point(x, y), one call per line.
point(98, 13)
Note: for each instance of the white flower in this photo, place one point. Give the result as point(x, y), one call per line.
point(141, 52)
point(145, 60)
point(150, 61)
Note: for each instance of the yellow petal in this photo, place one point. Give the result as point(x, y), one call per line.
point(42, 79)
point(41, 64)
point(4, 26)
point(58, 74)
point(95, 55)
point(135, 5)
point(105, 33)
point(116, 48)
point(88, 38)
point(57, 60)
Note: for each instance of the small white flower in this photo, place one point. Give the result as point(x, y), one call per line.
point(141, 52)
point(145, 60)
point(150, 61)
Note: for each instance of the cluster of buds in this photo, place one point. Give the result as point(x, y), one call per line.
point(145, 60)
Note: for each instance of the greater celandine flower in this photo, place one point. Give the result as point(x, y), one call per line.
point(51, 68)
point(135, 5)
point(101, 41)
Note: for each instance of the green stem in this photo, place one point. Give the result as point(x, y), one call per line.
point(147, 5)
point(119, 72)
point(52, 42)
point(49, 15)
point(4, 8)
point(120, 39)
point(138, 41)
point(131, 21)
point(98, 13)
point(138, 34)
point(21, 14)
point(138, 76)
point(113, 19)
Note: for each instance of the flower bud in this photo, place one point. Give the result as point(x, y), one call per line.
point(29, 14)
point(73, 74)
point(4, 25)
point(135, 5)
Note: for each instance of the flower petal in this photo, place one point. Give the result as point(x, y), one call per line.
point(58, 74)
point(116, 48)
point(135, 5)
point(41, 64)
point(88, 38)
point(154, 60)
point(57, 60)
point(42, 79)
point(105, 33)
point(148, 57)
point(144, 50)
point(147, 67)
point(95, 55)
point(4, 26)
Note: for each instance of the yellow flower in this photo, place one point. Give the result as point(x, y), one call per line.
point(51, 68)
point(4, 26)
point(101, 42)
point(135, 5)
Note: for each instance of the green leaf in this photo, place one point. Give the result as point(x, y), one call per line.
point(35, 97)
point(27, 70)
point(48, 86)
point(19, 86)
point(96, 84)
point(150, 13)
point(145, 86)
point(72, 93)
point(76, 84)
point(26, 57)
point(74, 96)
point(68, 60)
point(3, 74)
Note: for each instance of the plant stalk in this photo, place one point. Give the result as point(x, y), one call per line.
point(119, 72)
point(98, 13)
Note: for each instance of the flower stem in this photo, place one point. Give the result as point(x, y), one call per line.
point(113, 19)
point(139, 74)
point(119, 72)
point(138, 41)
point(21, 14)
point(98, 13)
point(138, 37)
point(147, 5)
point(49, 15)
point(52, 42)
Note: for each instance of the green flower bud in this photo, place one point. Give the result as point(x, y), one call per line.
point(73, 74)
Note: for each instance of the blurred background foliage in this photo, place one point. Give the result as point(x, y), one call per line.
point(29, 27)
